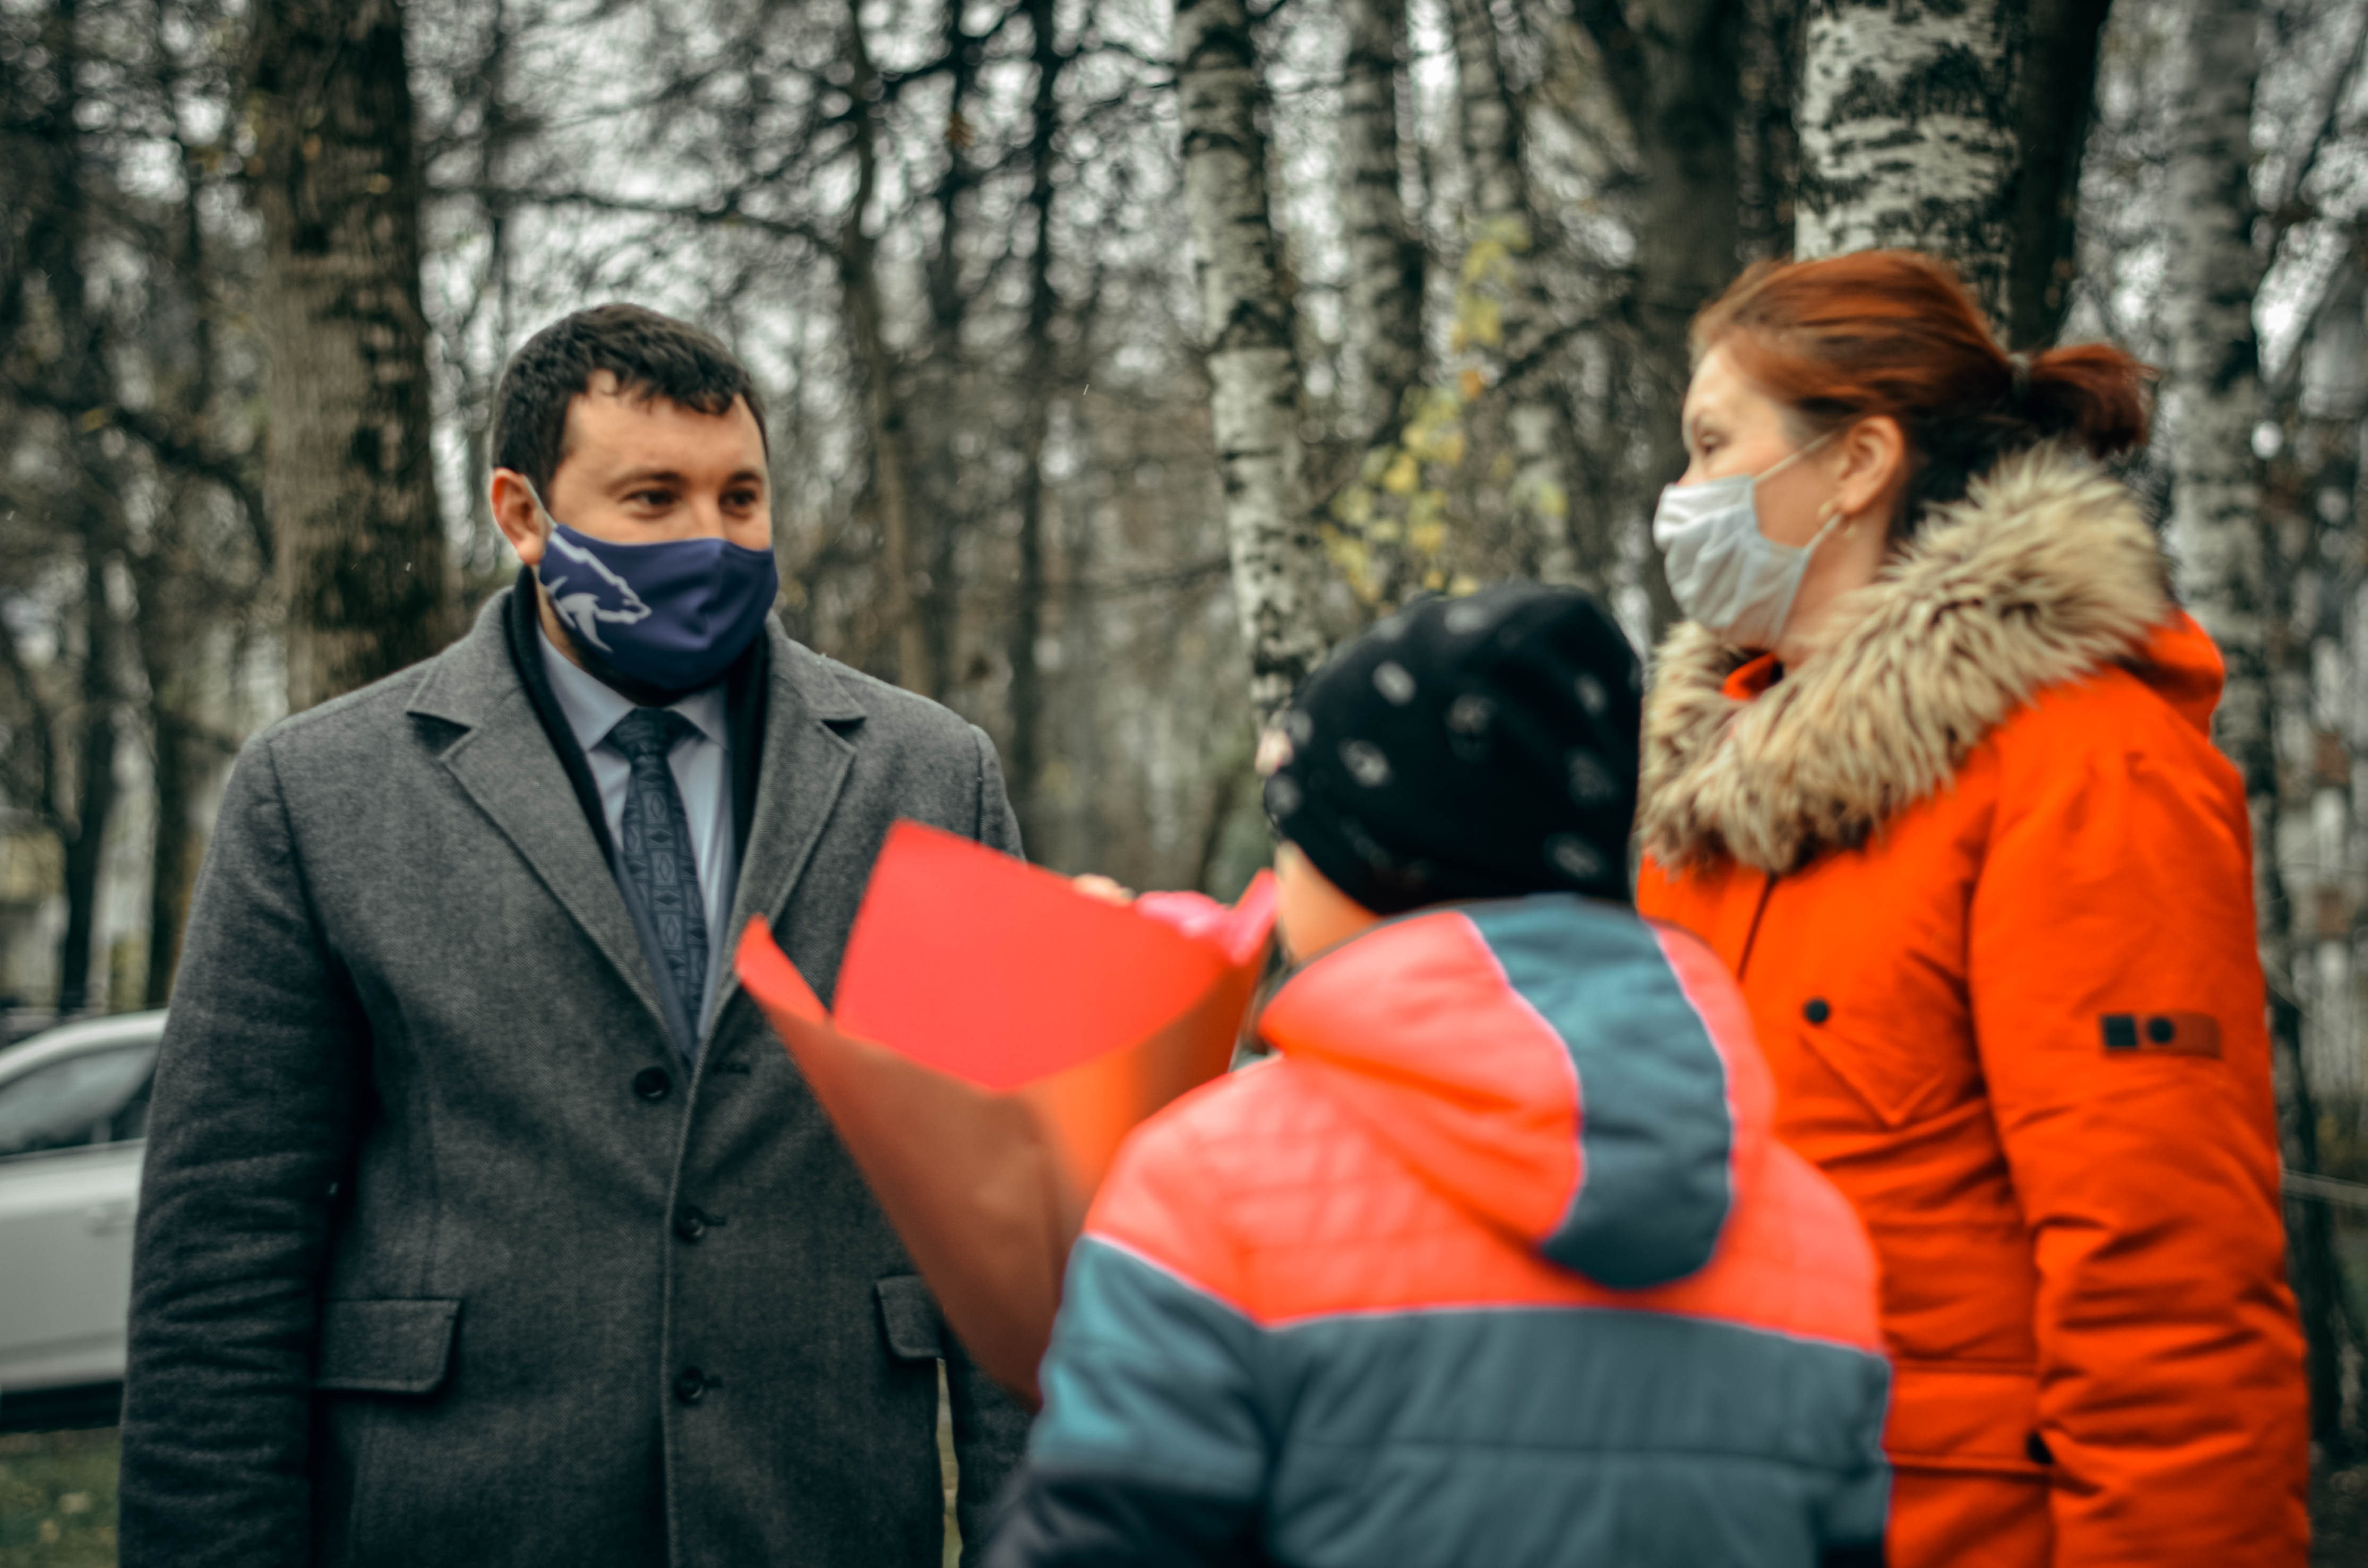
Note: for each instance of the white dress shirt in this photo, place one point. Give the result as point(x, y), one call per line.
point(702, 774)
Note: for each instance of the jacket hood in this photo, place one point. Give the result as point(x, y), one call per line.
point(1580, 1079)
point(2046, 572)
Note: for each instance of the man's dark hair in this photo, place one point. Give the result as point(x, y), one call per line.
point(649, 355)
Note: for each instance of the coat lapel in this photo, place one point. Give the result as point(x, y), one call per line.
point(505, 763)
point(804, 765)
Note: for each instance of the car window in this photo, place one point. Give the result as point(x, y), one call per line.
point(95, 1096)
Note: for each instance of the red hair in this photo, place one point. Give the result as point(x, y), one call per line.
point(1891, 332)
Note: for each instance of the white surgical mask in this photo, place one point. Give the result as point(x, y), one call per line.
point(1725, 573)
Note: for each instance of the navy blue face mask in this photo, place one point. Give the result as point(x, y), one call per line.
point(672, 615)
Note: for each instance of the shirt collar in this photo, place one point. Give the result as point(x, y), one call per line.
point(592, 707)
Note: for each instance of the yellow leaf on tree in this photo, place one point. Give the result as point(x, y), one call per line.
point(1508, 229)
point(1427, 538)
point(1485, 260)
point(1470, 384)
point(1403, 476)
point(1353, 505)
point(1483, 321)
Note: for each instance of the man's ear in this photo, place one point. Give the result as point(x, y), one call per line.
point(1874, 464)
point(517, 515)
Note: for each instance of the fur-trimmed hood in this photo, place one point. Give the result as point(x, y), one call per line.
point(2045, 572)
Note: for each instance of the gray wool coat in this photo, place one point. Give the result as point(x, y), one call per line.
point(444, 1255)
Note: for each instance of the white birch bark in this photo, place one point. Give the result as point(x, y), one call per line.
point(1253, 368)
point(2321, 873)
point(1499, 217)
point(2214, 398)
point(1907, 133)
point(2221, 543)
point(1385, 326)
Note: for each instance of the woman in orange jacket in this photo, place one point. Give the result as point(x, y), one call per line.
point(1930, 769)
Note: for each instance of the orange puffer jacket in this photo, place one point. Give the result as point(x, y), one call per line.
point(1988, 890)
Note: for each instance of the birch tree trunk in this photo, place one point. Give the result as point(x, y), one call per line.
point(1907, 133)
point(347, 473)
point(2219, 540)
point(1500, 267)
point(1253, 367)
point(2213, 399)
point(2319, 858)
point(1385, 260)
point(1957, 129)
point(2314, 505)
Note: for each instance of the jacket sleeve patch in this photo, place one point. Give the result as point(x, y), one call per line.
point(2161, 1034)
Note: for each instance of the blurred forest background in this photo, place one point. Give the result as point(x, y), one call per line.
point(1123, 354)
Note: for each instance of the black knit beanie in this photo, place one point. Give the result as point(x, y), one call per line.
point(1479, 747)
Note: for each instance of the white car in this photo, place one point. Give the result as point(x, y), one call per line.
point(73, 1119)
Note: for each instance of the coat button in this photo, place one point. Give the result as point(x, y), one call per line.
point(689, 1225)
point(1817, 1012)
point(690, 1385)
point(652, 1083)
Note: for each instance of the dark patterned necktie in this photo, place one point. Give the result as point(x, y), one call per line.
point(656, 850)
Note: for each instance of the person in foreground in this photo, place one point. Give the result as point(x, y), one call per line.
point(1930, 769)
point(1495, 1261)
point(483, 1222)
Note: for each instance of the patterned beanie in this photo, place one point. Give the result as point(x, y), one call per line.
point(1480, 747)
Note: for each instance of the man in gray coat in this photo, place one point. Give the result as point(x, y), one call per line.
point(485, 1222)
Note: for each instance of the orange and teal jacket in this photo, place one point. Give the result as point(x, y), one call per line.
point(1495, 1263)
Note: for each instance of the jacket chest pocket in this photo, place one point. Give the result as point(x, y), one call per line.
point(386, 1346)
point(1904, 1057)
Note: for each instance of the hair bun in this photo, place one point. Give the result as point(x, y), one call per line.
point(2091, 393)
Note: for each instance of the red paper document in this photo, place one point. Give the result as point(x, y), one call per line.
point(997, 1035)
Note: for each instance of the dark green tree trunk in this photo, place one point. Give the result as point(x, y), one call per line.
point(1675, 68)
point(1027, 757)
point(85, 848)
point(2056, 97)
point(56, 249)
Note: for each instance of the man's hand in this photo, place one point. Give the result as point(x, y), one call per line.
point(1102, 888)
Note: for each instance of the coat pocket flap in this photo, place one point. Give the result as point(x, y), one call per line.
point(908, 1315)
point(1896, 1084)
point(1963, 1418)
point(388, 1346)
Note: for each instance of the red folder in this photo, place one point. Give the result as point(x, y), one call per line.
point(997, 1034)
